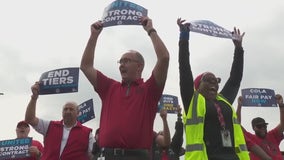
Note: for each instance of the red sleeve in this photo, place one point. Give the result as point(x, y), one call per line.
point(38, 145)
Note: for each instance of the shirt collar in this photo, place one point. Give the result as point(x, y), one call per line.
point(67, 127)
point(136, 82)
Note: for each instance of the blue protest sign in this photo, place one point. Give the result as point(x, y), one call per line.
point(168, 102)
point(64, 80)
point(259, 97)
point(122, 12)
point(86, 111)
point(209, 28)
point(15, 148)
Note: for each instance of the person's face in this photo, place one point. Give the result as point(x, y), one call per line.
point(209, 86)
point(70, 113)
point(130, 67)
point(22, 131)
point(260, 130)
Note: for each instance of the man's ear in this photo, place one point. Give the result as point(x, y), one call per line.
point(140, 68)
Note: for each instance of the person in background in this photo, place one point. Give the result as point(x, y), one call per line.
point(36, 148)
point(211, 127)
point(269, 141)
point(128, 107)
point(177, 139)
point(163, 147)
point(162, 139)
point(64, 139)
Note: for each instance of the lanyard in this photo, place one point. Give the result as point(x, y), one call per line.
point(220, 115)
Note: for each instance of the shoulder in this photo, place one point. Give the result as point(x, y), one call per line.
point(37, 143)
point(84, 128)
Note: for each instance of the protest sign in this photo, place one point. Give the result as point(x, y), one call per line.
point(15, 148)
point(168, 102)
point(209, 28)
point(122, 12)
point(57, 81)
point(258, 97)
point(86, 111)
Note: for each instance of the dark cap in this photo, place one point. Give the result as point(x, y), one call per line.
point(257, 121)
point(23, 123)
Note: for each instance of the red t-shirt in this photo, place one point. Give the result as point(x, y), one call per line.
point(128, 112)
point(270, 144)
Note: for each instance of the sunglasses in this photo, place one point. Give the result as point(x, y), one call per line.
point(259, 126)
point(211, 80)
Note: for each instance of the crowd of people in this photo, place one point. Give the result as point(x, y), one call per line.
point(211, 126)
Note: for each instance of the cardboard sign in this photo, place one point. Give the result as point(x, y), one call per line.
point(122, 12)
point(259, 97)
point(57, 81)
point(168, 102)
point(86, 111)
point(15, 148)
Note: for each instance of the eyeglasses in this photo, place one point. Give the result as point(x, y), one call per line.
point(259, 126)
point(210, 79)
point(126, 61)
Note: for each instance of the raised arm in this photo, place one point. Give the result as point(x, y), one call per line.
point(279, 100)
point(30, 116)
point(177, 139)
point(185, 73)
point(160, 70)
point(231, 87)
point(87, 61)
point(164, 139)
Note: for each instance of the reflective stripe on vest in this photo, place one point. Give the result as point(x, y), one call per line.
point(195, 119)
point(241, 148)
point(194, 147)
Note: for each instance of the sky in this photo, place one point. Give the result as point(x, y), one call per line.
point(38, 36)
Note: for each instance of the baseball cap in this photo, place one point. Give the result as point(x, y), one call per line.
point(198, 79)
point(23, 123)
point(258, 121)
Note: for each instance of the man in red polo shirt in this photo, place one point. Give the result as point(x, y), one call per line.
point(128, 107)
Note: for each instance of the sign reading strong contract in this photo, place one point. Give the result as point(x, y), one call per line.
point(209, 28)
point(122, 12)
point(63, 80)
point(15, 148)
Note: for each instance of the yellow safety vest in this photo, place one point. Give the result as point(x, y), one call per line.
point(194, 129)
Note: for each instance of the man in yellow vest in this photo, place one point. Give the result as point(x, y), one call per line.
point(211, 126)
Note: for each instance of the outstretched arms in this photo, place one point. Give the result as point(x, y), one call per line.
point(87, 61)
point(30, 116)
point(185, 73)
